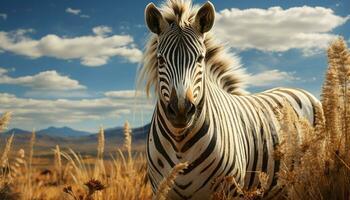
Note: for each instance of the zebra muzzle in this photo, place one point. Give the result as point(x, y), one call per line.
point(180, 114)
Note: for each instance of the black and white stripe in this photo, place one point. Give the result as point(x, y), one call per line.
point(232, 135)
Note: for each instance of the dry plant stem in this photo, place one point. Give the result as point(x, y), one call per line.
point(339, 61)
point(101, 143)
point(320, 167)
point(99, 167)
point(29, 188)
point(346, 165)
point(4, 157)
point(127, 142)
point(75, 171)
point(31, 148)
point(58, 164)
point(167, 182)
point(5, 120)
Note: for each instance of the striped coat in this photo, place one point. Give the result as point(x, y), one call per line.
point(236, 136)
point(201, 117)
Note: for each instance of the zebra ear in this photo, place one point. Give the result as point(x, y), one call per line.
point(154, 19)
point(205, 17)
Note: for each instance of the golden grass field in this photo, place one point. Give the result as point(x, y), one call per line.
point(315, 167)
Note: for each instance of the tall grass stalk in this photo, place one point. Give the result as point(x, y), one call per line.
point(4, 158)
point(128, 142)
point(168, 182)
point(321, 171)
point(58, 164)
point(5, 120)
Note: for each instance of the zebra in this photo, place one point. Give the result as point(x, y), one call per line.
point(202, 115)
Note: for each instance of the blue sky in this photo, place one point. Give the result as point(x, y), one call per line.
point(74, 62)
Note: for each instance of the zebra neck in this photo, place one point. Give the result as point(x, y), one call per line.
point(189, 136)
point(225, 113)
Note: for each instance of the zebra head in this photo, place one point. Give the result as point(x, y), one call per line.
point(181, 66)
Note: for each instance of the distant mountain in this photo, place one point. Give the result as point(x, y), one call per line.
point(17, 131)
point(22, 137)
point(137, 133)
point(62, 132)
point(50, 131)
point(117, 134)
point(67, 132)
point(81, 141)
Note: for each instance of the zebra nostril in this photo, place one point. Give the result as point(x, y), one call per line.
point(171, 110)
point(191, 109)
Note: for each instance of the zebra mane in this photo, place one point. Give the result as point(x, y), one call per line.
point(222, 67)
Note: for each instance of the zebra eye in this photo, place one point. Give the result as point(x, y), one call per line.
point(200, 59)
point(161, 60)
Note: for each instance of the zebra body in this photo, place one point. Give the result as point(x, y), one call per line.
point(201, 117)
point(236, 136)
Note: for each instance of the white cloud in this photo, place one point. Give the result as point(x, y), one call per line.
point(84, 16)
point(125, 94)
point(102, 30)
point(3, 16)
point(73, 11)
point(77, 12)
point(140, 26)
point(31, 112)
point(92, 50)
point(43, 81)
point(94, 61)
point(277, 29)
point(51, 94)
point(3, 71)
point(270, 78)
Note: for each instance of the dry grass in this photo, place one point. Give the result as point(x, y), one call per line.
point(71, 177)
point(314, 160)
point(128, 141)
point(228, 182)
point(167, 183)
point(321, 169)
point(5, 120)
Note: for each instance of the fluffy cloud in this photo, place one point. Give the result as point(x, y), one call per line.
point(76, 12)
point(92, 50)
point(73, 11)
point(3, 16)
point(125, 94)
point(94, 61)
point(276, 29)
point(43, 81)
point(29, 112)
point(102, 30)
point(84, 16)
point(270, 78)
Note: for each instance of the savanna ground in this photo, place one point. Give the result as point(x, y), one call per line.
point(315, 165)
